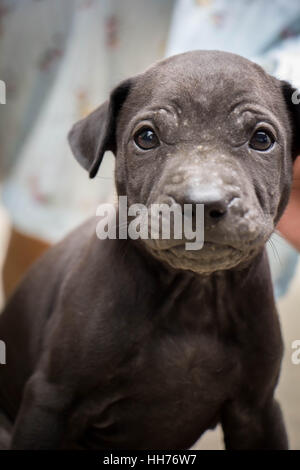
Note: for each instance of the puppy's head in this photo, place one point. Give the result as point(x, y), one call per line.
point(205, 127)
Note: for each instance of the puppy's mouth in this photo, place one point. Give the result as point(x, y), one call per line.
point(210, 246)
point(222, 245)
point(179, 249)
point(213, 256)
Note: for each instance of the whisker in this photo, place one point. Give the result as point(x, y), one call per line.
point(274, 249)
point(281, 239)
point(105, 177)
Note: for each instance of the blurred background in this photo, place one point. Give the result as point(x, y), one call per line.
point(59, 60)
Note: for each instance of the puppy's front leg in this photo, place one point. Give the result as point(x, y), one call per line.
point(41, 419)
point(254, 428)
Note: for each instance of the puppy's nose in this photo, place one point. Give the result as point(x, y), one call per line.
point(215, 206)
point(214, 201)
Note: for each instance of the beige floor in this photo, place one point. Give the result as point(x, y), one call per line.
point(289, 386)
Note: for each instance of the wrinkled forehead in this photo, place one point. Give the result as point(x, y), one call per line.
point(208, 83)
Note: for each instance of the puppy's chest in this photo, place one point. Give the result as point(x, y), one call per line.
point(169, 382)
point(178, 352)
point(178, 364)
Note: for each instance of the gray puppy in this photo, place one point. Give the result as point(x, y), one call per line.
point(141, 344)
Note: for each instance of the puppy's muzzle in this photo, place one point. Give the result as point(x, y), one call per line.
point(216, 202)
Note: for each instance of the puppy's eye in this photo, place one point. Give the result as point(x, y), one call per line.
point(146, 139)
point(261, 141)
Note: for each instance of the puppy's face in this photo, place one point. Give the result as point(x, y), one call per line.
point(205, 128)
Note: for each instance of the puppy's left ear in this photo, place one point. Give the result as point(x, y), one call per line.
point(292, 98)
point(91, 137)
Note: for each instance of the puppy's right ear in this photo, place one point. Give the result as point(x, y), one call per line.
point(91, 137)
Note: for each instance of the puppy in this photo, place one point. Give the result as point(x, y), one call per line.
point(142, 344)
